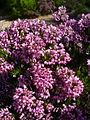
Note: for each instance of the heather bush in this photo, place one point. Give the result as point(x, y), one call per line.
point(5, 114)
point(75, 37)
point(46, 6)
point(61, 14)
point(46, 66)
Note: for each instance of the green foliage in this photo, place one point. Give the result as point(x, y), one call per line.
point(82, 9)
point(19, 8)
point(59, 2)
point(78, 6)
point(82, 74)
point(15, 72)
point(79, 63)
point(46, 57)
point(87, 3)
point(28, 4)
point(87, 31)
point(15, 12)
point(3, 54)
point(23, 8)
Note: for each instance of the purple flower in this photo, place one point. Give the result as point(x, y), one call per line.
point(38, 52)
point(43, 81)
point(26, 104)
point(4, 66)
point(67, 85)
point(5, 114)
point(71, 112)
point(58, 55)
point(61, 14)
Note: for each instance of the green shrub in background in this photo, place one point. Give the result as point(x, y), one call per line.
point(59, 2)
point(78, 5)
point(19, 8)
point(28, 4)
point(87, 3)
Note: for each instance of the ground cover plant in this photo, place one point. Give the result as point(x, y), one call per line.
point(44, 68)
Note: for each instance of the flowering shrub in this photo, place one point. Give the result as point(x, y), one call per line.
point(71, 27)
point(5, 114)
point(25, 102)
point(61, 14)
point(46, 6)
point(67, 113)
point(37, 67)
point(76, 39)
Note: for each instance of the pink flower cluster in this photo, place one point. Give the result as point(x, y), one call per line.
point(84, 22)
point(4, 66)
point(26, 104)
point(61, 14)
point(67, 85)
point(72, 30)
point(58, 55)
point(31, 46)
point(5, 114)
point(43, 82)
point(67, 113)
point(68, 32)
point(5, 86)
